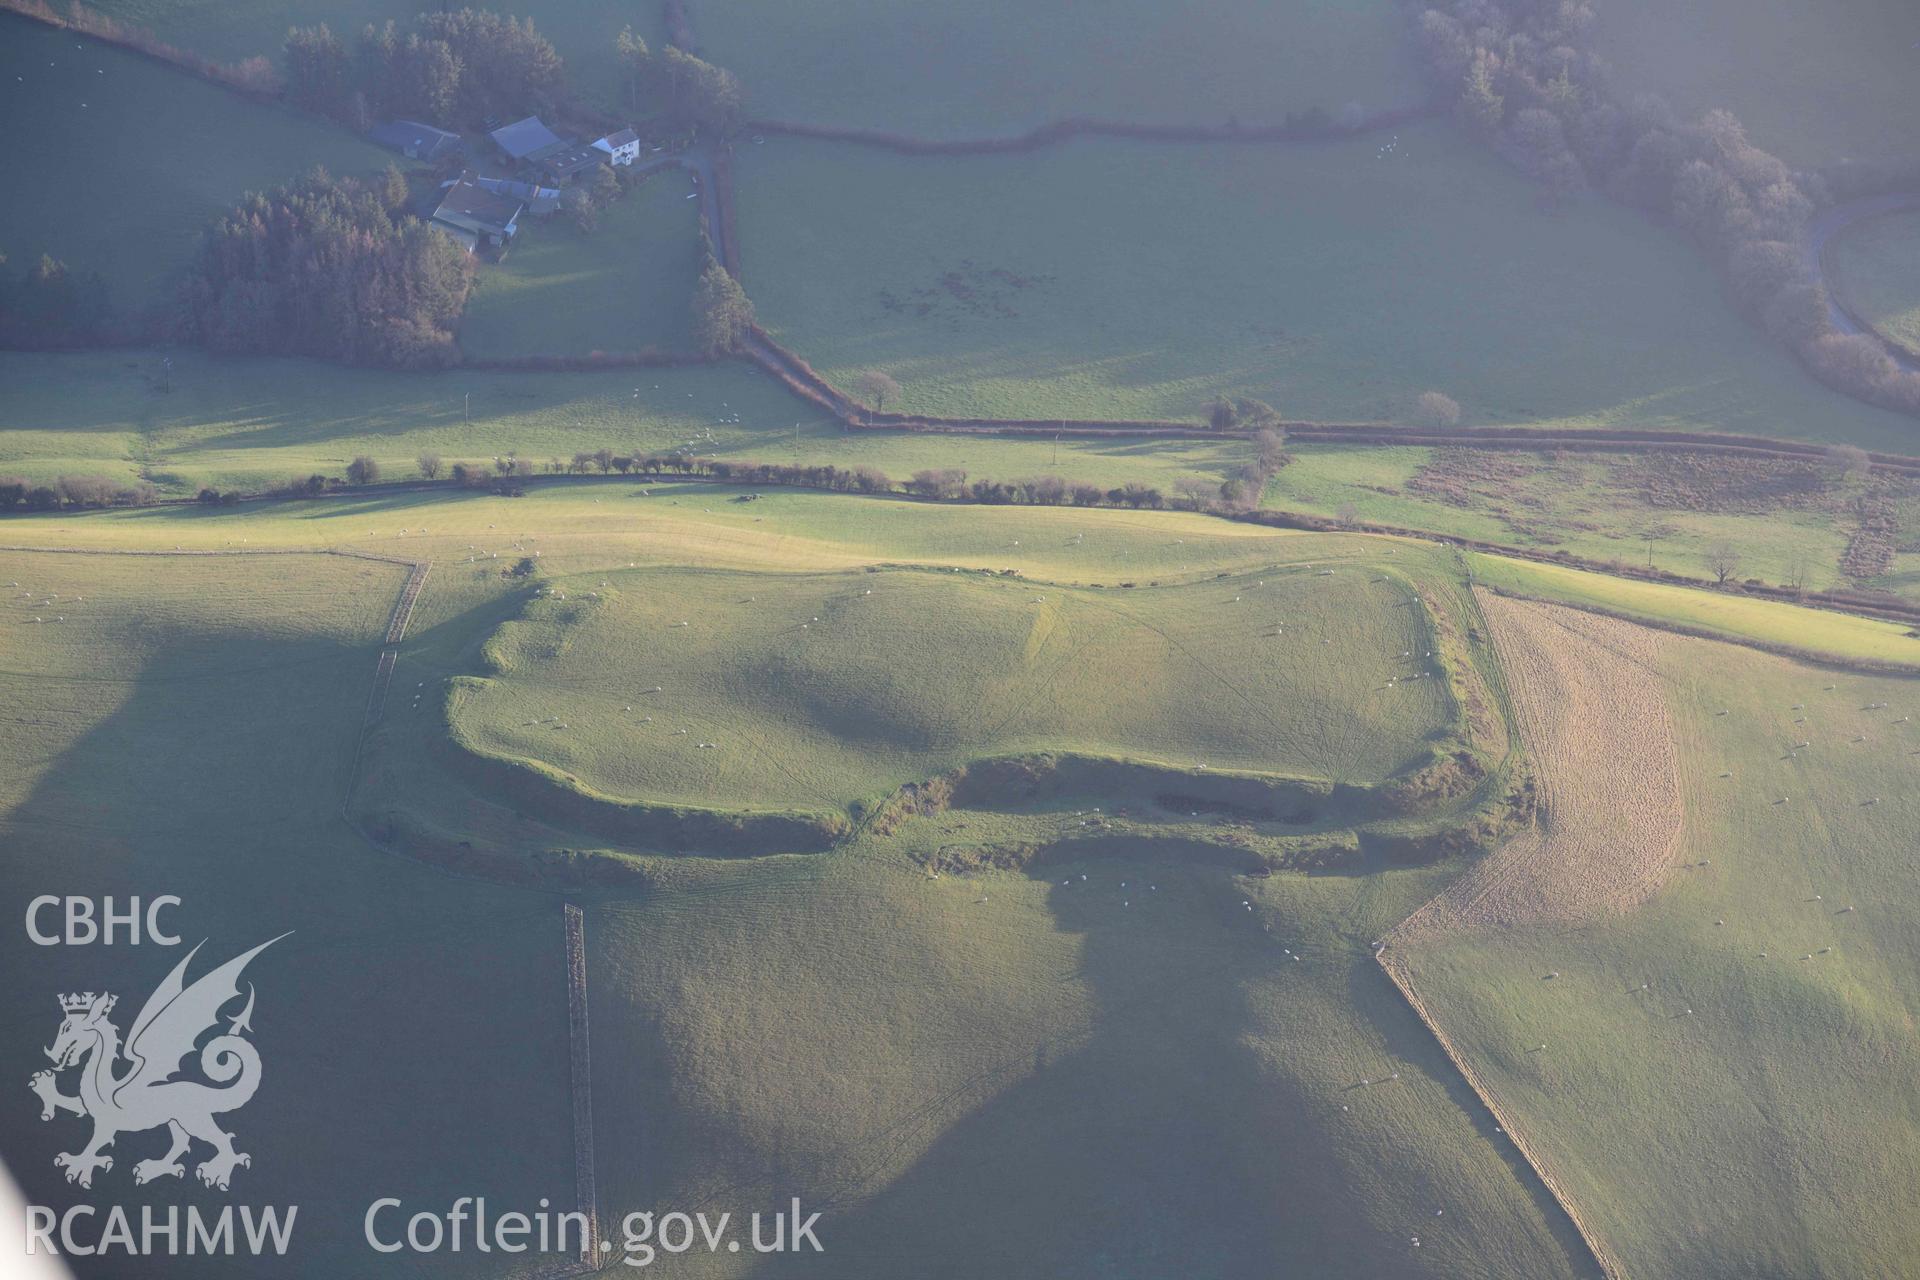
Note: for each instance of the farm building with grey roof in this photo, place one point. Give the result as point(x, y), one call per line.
point(476, 216)
point(414, 140)
point(528, 139)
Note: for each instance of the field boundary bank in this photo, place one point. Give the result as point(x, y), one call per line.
point(580, 1092)
point(1872, 606)
point(592, 362)
point(579, 1051)
point(793, 372)
point(1596, 439)
point(1602, 1257)
point(1055, 132)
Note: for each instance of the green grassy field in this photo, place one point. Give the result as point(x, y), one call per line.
point(188, 729)
point(1814, 631)
point(590, 528)
point(1813, 86)
point(1081, 1015)
point(132, 160)
point(253, 424)
point(997, 67)
point(1878, 263)
point(626, 286)
point(1085, 281)
point(935, 1029)
point(1008, 1075)
point(1783, 519)
point(879, 1041)
point(1755, 1134)
point(827, 689)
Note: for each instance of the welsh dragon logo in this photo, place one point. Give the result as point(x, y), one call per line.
point(146, 1095)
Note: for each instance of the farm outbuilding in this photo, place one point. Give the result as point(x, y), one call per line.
point(526, 140)
point(476, 216)
point(570, 162)
point(416, 141)
point(539, 200)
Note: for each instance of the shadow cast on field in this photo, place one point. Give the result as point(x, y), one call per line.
point(1157, 1143)
point(412, 1027)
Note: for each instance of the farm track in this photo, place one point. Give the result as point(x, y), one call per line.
point(799, 377)
point(396, 630)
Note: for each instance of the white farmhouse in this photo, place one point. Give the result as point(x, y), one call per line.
point(623, 146)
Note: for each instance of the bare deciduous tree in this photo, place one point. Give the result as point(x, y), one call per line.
point(1849, 460)
point(1437, 409)
point(876, 388)
point(1723, 561)
point(1799, 571)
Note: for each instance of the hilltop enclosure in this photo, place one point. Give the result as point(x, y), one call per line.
point(795, 691)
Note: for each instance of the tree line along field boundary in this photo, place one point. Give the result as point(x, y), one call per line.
point(740, 474)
